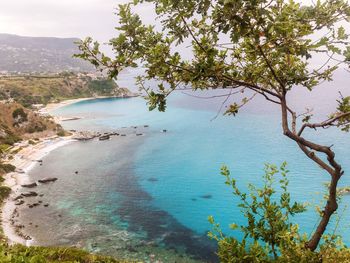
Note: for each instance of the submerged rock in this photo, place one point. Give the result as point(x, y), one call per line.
point(104, 138)
point(47, 180)
point(29, 194)
point(206, 196)
point(30, 185)
point(17, 198)
point(152, 179)
point(19, 202)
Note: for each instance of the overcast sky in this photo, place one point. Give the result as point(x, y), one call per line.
point(65, 18)
point(61, 18)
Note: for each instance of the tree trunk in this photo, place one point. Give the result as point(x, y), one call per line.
point(332, 167)
point(330, 208)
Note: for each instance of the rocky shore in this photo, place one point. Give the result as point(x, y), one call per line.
point(26, 158)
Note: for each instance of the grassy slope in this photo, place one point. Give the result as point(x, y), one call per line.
point(29, 90)
point(35, 125)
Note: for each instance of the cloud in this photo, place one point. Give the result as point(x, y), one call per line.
point(63, 18)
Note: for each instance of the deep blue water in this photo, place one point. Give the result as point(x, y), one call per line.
point(161, 187)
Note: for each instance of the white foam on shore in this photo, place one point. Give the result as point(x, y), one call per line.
point(25, 161)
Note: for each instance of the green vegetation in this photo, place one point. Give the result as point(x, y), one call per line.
point(61, 133)
point(102, 87)
point(19, 116)
point(17, 122)
point(246, 49)
point(31, 90)
point(4, 192)
point(22, 254)
point(269, 234)
point(7, 168)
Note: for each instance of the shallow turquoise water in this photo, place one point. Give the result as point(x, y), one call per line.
point(161, 187)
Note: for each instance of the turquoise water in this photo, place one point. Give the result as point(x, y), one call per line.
point(160, 188)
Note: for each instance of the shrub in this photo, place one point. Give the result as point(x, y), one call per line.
point(8, 168)
point(61, 133)
point(4, 192)
point(11, 139)
point(269, 236)
point(19, 115)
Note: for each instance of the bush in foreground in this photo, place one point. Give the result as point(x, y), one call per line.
point(22, 254)
point(269, 235)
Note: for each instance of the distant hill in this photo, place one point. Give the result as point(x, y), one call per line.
point(29, 90)
point(39, 54)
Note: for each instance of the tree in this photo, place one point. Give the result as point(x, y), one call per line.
point(19, 116)
point(268, 219)
point(262, 46)
point(269, 235)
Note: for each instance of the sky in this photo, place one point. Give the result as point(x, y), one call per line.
point(66, 18)
point(70, 18)
point(61, 18)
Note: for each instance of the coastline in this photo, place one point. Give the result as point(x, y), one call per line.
point(24, 160)
point(54, 106)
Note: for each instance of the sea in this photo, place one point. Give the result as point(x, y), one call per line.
point(147, 195)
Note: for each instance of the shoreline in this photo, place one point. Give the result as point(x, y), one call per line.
point(54, 106)
point(25, 160)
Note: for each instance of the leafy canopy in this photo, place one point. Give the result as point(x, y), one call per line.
point(262, 45)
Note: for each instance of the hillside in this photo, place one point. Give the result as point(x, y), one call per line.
point(39, 54)
point(29, 90)
point(17, 122)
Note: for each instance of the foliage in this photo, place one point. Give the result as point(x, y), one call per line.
point(246, 48)
point(102, 87)
point(268, 219)
point(10, 139)
point(269, 235)
point(266, 43)
point(4, 192)
point(4, 148)
point(19, 115)
point(31, 142)
point(36, 127)
point(7, 167)
point(61, 133)
point(31, 90)
point(23, 254)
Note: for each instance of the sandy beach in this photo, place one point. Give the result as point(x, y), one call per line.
point(24, 161)
point(26, 158)
point(54, 106)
